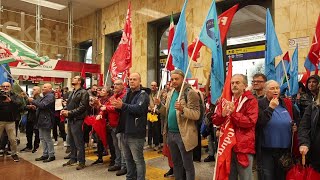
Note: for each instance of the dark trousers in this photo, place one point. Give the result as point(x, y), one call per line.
point(58, 123)
point(29, 134)
point(197, 149)
point(86, 132)
point(182, 160)
point(154, 131)
point(110, 144)
point(75, 135)
point(271, 168)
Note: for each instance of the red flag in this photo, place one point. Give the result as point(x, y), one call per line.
point(286, 57)
point(170, 66)
point(225, 20)
point(314, 53)
point(100, 78)
point(99, 126)
point(83, 75)
point(227, 135)
point(122, 58)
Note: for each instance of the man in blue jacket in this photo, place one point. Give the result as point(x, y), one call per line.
point(45, 116)
point(133, 120)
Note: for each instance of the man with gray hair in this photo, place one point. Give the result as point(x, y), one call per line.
point(180, 129)
point(243, 112)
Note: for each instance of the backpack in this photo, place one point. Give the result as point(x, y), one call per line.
point(201, 102)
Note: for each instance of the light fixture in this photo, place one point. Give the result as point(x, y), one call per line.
point(46, 4)
point(246, 39)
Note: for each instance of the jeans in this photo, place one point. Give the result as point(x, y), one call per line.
point(236, 170)
point(211, 146)
point(116, 147)
point(120, 137)
point(180, 157)
point(271, 168)
point(46, 141)
point(75, 135)
point(10, 129)
point(133, 154)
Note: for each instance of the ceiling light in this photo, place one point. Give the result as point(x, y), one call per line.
point(246, 39)
point(46, 4)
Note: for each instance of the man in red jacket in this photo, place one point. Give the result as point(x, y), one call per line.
point(112, 115)
point(243, 111)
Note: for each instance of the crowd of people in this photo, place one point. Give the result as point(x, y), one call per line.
point(269, 127)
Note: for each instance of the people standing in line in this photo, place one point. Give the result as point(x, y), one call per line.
point(76, 111)
point(133, 120)
point(153, 127)
point(275, 125)
point(180, 127)
point(32, 123)
point(243, 112)
point(10, 104)
point(45, 117)
point(58, 122)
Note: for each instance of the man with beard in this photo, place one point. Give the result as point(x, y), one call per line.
point(76, 111)
point(311, 93)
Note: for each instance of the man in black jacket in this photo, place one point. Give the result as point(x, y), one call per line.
point(76, 111)
point(312, 91)
point(9, 105)
point(133, 120)
point(45, 117)
point(32, 123)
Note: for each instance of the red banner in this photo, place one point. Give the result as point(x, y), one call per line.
point(314, 53)
point(227, 135)
point(121, 60)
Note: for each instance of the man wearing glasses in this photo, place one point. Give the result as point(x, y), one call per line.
point(10, 104)
point(258, 83)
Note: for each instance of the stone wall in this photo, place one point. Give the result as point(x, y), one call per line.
point(296, 19)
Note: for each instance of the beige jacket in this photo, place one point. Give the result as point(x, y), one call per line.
point(187, 120)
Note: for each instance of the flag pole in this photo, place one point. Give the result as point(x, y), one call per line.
point(12, 77)
point(186, 73)
point(105, 82)
point(160, 88)
point(286, 75)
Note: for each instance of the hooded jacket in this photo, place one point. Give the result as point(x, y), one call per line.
point(307, 98)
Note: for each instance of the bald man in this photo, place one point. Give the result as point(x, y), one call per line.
point(133, 120)
point(10, 104)
point(32, 125)
point(45, 114)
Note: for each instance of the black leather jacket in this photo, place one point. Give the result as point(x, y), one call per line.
point(10, 110)
point(77, 105)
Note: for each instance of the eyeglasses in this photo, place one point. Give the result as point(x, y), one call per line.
point(256, 81)
point(5, 86)
point(117, 84)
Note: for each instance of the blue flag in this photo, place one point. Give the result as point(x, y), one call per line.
point(293, 81)
point(4, 76)
point(210, 36)
point(280, 76)
point(273, 48)
point(179, 46)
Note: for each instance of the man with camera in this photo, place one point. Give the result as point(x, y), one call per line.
point(10, 104)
